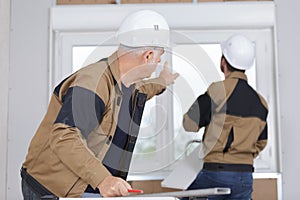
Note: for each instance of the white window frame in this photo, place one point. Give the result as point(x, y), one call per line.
point(90, 25)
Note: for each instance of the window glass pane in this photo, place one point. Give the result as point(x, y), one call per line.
point(85, 55)
point(80, 55)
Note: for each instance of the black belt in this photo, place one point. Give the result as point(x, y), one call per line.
point(34, 184)
point(228, 167)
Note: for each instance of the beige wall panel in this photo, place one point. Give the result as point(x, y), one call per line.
point(265, 189)
point(156, 1)
point(210, 1)
point(64, 2)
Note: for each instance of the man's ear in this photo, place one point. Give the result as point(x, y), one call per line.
point(223, 64)
point(148, 55)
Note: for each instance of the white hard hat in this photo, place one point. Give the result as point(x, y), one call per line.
point(239, 52)
point(144, 28)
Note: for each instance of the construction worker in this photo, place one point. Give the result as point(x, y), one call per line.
point(83, 147)
point(234, 116)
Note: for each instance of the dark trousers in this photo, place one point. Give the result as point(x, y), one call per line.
point(28, 193)
point(33, 190)
point(240, 184)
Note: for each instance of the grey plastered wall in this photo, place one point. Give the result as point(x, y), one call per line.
point(288, 32)
point(4, 70)
point(28, 82)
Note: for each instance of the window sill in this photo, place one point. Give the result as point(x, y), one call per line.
point(161, 175)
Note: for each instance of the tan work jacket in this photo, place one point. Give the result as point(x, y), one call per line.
point(65, 155)
point(235, 119)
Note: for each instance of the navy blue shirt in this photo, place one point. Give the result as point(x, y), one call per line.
point(112, 160)
point(117, 158)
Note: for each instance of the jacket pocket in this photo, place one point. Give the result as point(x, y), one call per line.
point(229, 141)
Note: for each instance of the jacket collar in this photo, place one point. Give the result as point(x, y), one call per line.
point(113, 62)
point(237, 75)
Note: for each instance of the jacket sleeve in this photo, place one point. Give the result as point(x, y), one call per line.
point(199, 114)
point(263, 137)
point(80, 113)
point(152, 87)
point(262, 141)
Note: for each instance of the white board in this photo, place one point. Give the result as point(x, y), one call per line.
point(190, 167)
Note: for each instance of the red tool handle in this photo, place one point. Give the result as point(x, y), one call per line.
point(135, 191)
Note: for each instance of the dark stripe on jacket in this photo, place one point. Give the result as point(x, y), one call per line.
point(203, 107)
point(264, 134)
point(81, 108)
point(245, 102)
point(229, 141)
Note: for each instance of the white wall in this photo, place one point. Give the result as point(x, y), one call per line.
point(28, 78)
point(4, 63)
point(288, 32)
